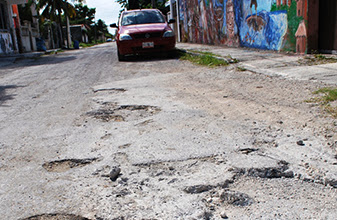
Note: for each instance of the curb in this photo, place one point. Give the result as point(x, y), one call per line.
point(229, 60)
point(9, 59)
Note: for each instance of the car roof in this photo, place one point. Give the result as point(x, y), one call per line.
point(146, 9)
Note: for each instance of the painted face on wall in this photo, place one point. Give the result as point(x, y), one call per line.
point(230, 19)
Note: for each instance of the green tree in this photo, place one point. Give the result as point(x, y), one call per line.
point(124, 4)
point(53, 10)
point(103, 28)
point(84, 15)
point(135, 4)
point(99, 29)
point(25, 11)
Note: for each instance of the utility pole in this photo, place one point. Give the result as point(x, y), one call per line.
point(178, 20)
point(95, 29)
point(171, 15)
point(68, 32)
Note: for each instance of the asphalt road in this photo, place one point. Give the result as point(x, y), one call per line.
point(190, 142)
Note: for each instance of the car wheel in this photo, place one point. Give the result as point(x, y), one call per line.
point(120, 57)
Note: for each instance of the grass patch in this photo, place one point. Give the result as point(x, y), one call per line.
point(52, 52)
point(84, 45)
point(325, 99)
point(317, 59)
point(203, 59)
point(332, 110)
point(232, 60)
point(204, 53)
point(329, 94)
point(229, 58)
point(241, 69)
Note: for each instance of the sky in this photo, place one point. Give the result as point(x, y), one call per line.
point(106, 10)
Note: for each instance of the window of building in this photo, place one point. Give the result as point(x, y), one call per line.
point(3, 20)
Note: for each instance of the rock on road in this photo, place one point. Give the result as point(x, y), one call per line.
point(83, 136)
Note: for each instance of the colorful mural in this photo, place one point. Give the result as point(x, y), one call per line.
point(263, 24)
point(6, 45)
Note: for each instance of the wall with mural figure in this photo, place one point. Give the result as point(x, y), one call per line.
point(6, 45)
point(263, 24)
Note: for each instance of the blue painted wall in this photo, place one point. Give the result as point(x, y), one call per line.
point(262, 24)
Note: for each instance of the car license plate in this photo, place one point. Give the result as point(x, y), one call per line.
point(148, 44)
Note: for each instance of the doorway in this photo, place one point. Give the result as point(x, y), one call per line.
point(327, 40)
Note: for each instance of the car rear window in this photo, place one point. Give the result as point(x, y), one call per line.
point(142, 17)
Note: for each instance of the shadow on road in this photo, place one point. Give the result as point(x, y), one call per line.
point(152, 57)
point(4, 96)
point(34, 61)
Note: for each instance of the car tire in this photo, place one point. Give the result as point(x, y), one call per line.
point(120, 57)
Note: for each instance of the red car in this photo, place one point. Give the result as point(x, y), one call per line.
point(143, 31)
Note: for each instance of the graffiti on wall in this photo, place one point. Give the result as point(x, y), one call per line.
point(6, 45)
point(264, 24)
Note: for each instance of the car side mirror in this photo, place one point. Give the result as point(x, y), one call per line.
point(172, 20)
point(114, 25)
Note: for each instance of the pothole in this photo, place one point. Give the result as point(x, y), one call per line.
point(67, 164)
point(124, 112)
point(146, 122)
point(198, 189)
point(56, 216)
point(236, 198)
point(267, 172)
point(331, 182)
point(248, 150)
point(124, 146)
point(106, 115)
point(110, 89)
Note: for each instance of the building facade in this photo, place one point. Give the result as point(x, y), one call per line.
point(281, 25)
point(79, 33)
point(17, 36)
point(8, 42)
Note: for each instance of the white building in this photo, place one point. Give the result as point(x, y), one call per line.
point(14, 36)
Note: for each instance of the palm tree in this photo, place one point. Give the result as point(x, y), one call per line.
point(53, 10)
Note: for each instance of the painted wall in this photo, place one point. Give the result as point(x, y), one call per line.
point(6, 44)
point(263, 24)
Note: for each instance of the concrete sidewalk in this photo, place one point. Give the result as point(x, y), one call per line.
point(272, 63)
point(9, 59)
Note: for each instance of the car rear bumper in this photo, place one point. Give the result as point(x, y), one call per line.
point(136, 46)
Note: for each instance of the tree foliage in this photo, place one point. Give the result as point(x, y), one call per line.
point(84, 15)
point(25, 11)
point(102, 28)
point(57, 11)
point(135, 4)
point(124, 4)
point(54, 9)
